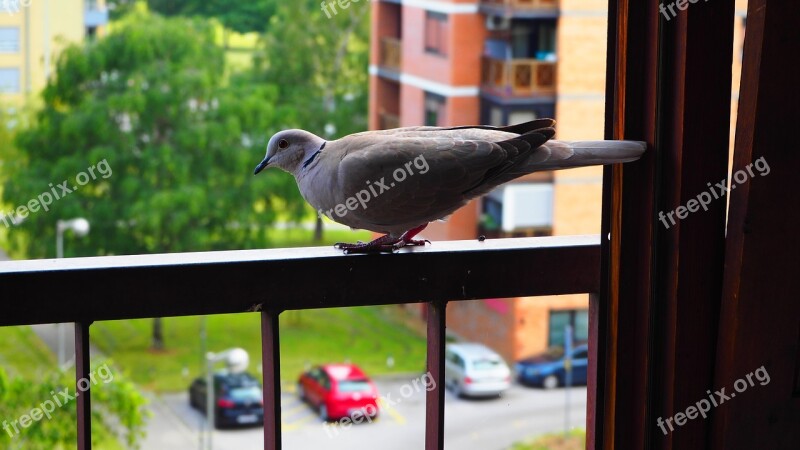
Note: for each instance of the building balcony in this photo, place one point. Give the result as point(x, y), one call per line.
point(521, 8)
point(390, 56)
point(518, 77)
point(389, 121)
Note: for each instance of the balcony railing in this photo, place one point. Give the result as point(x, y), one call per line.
point(84, 290)
point(389, 121)
point(523, 4)
point(519, 77)
point(390, 53)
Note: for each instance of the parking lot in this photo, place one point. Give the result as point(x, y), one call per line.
point(486, 424)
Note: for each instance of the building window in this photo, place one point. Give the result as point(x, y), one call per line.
point(9, 39)
point(434, 110)
point(518, 210)
point(577, 318)
point(9, 80)
point(436, 31)
point(531, 40)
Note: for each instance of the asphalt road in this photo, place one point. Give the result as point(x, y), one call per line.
point(489, 424)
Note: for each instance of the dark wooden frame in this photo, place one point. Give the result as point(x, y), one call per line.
point(673, 315)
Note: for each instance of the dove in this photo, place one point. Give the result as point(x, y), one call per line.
point(395, 182)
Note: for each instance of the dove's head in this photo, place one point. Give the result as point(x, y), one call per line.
point(290, 149)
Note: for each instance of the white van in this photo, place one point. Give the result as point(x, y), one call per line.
point(475, 370)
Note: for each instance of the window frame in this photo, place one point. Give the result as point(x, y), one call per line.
point(441, 23)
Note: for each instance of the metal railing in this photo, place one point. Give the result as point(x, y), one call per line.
point(524, 4)
point(391, 49)
point(389, 121)
point(519, 77)
point(268, 282)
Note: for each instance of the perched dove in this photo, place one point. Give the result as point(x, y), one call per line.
point(397, 181)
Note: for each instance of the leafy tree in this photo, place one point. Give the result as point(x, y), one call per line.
point(320, 64)
point(112, 395)
point(241, 16)
point(149, 101)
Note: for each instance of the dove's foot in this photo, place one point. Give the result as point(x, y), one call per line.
point(386, 244)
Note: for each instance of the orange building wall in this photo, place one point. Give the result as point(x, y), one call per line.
point(532, 321)
point(416, 61)
point(494, 325)
point(412, 104)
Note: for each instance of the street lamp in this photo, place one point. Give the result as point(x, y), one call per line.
point(237, 361)
point(80, 227)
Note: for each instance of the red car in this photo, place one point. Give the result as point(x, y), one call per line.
point(338, 391)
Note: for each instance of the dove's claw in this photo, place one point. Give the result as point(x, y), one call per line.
point(385, 244)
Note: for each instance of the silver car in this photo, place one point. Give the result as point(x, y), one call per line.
point(475, 370)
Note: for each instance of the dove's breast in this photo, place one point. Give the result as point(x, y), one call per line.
point(319, 186)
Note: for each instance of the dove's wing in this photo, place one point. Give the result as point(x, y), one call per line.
point(424, 178)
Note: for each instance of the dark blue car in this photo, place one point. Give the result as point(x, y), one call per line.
point(548, 370)
point(237, 397)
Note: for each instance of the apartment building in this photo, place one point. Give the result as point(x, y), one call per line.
point(501, 62)
point(32, 32)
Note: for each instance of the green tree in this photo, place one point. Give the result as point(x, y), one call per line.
point(320, 64)
point(241, 16)
point(112, 396)
point(149, 102)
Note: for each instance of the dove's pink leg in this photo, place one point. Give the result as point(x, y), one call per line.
point(386, 243)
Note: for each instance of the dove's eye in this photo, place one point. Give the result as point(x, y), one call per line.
point(283, 143)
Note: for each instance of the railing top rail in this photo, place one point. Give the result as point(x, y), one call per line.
point(122, 287)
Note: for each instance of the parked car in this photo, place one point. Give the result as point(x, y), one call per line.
point(475, 370)
point(238, 399)
point(548, 369)
point(338, 391)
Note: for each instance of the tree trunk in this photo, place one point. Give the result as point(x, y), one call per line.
point(158, 334)
point(318, 230)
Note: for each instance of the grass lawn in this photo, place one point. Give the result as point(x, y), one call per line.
point(575, 440)
point(23, 353)
point(366, 336)
point(299, 237)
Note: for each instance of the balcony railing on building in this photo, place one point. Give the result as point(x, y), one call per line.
point(519, 77)
point(523, 4)
point(390, 53)
point(389, 120)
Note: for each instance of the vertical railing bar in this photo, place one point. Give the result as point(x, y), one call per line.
point(595, 380)
point(271, 372)
point(83, 397)
point(434, 398)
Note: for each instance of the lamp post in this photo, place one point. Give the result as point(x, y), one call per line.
point(80, 227)
point(237, 361)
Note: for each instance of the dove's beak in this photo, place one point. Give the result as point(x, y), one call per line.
point(262, 165)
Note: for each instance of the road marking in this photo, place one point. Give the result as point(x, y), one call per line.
point(291, 410)
point(297, 424)
point(392, 412)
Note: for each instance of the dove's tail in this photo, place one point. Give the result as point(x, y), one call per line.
point(564, 154)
